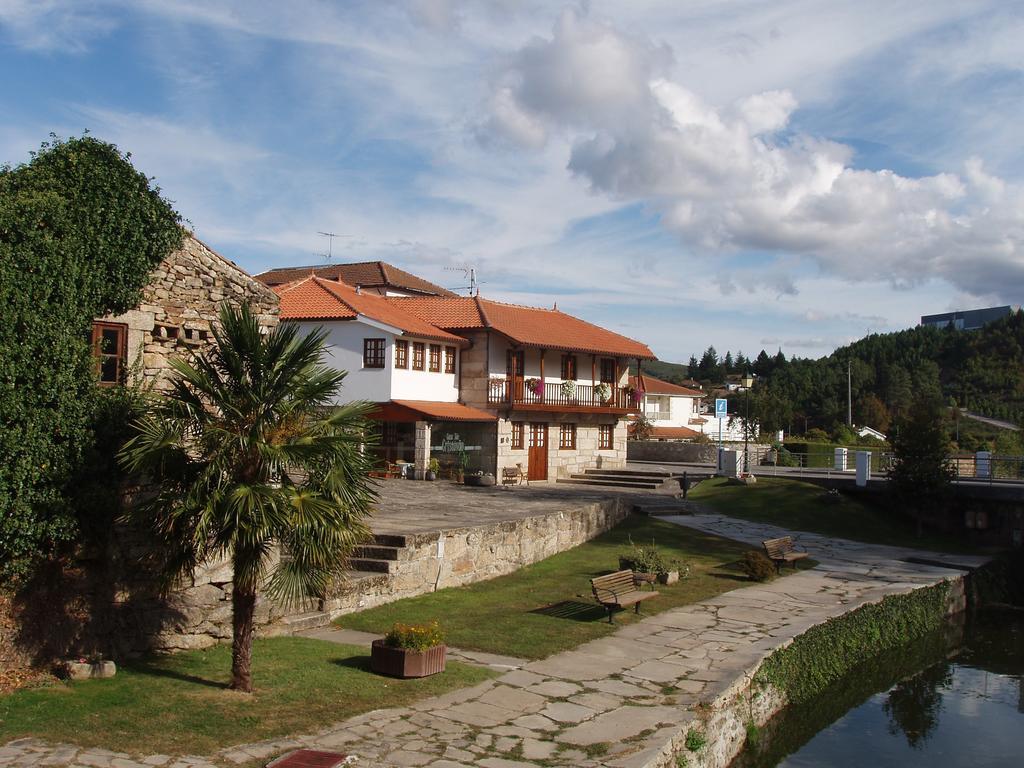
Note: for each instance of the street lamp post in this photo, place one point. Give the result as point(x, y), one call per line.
point(748, 382)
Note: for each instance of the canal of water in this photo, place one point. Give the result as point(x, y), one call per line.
point(952, 700)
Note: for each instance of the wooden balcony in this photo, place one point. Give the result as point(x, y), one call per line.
point(517, 394)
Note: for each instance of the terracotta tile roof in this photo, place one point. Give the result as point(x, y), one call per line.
point(370, 274)
point(658, 387)
point(424, 410)
point(314, 298)
point(673, 433)
point(528, 326)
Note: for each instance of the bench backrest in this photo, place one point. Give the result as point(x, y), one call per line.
point(510, 472)
point(612, 585)
point(776, 548)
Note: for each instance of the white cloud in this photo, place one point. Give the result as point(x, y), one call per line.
point(52, 25)
point(731, 179)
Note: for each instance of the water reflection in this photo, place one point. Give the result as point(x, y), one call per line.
point(953, 699)
point(913, 705)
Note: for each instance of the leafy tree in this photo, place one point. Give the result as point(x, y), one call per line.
point(249, 458)
point(80, 232)
point(640, 428)
point(921, 475)
point(871, 412)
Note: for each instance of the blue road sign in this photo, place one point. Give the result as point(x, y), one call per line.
point(721, 408)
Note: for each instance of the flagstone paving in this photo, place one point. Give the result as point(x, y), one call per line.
point(617, 701)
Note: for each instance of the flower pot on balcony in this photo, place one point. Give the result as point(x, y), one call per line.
point(404, 662)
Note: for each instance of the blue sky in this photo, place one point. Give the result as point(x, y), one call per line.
point(746, 175)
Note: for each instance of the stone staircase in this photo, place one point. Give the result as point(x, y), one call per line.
point(371, 566)
point(381, 556)
point(626, 479)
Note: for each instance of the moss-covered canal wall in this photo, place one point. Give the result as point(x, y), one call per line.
point(804, 665)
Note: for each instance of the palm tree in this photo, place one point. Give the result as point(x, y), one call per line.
point(252, 463)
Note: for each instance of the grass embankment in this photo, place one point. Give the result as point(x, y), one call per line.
point(180, 704)
point(548, 607)
point(805, 507)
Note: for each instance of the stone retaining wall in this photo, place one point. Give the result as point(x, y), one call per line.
point(723, 722)
point(670, 452)
point(110, 603)
point(460, 556)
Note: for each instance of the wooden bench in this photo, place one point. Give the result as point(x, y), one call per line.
point(618, 590)
point(781, 551)
point(512, 475)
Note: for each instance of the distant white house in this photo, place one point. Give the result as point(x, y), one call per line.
point(673, 411)
point(869, 432)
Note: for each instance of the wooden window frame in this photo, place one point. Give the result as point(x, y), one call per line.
point(515, 363)
point(119, 356)
point(449, 359)
point(605, 437)
point(373, 353)
point(401, 353)
point(419, 355)
point(607, 371)
point(435, 358)
point(518, 435)
point(570, 370)
point(567, 437)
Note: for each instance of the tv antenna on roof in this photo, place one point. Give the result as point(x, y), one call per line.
point(330, 243)
point(470, 272)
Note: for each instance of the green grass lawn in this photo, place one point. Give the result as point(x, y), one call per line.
point(806, 507)
point(180, 704)
point(548, 606)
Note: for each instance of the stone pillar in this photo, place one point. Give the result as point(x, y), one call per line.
point(422, 454)
point(863, 468)
point(983, 464)
point(840, 464)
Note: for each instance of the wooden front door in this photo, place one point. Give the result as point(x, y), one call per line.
point(537, 468)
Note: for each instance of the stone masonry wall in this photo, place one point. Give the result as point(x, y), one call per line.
point(660, 450)
point(565, 462)
point(465, 555)
point(180, 304)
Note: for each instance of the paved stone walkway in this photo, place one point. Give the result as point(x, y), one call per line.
point(623, 701)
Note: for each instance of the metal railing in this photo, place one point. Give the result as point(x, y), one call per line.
point(654, 415)
point(519, 392)
point(964, 467)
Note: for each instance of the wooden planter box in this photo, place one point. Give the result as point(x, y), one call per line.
point(401, 662)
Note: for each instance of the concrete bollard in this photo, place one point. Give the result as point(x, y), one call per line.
point(840, 464)
point(863, 468)
point(983, 464)
point(732, 462)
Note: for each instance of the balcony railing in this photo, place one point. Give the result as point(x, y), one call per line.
point(655, 415)
point(518, 393)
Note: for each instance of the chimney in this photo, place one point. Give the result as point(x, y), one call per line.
point(359, 289)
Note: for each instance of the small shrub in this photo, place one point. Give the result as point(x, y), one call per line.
point(682, 761)
point(414, 637)
point(643, 559)
point(695, 740)
point(757, 566)
point(753, 733)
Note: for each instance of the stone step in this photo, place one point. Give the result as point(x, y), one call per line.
point(372, 564)
point(377, 552)
point(627, 473)
point(608, 483)
point(389, 540)
point(303, 621)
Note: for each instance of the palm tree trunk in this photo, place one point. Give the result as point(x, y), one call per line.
point(243, 605)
